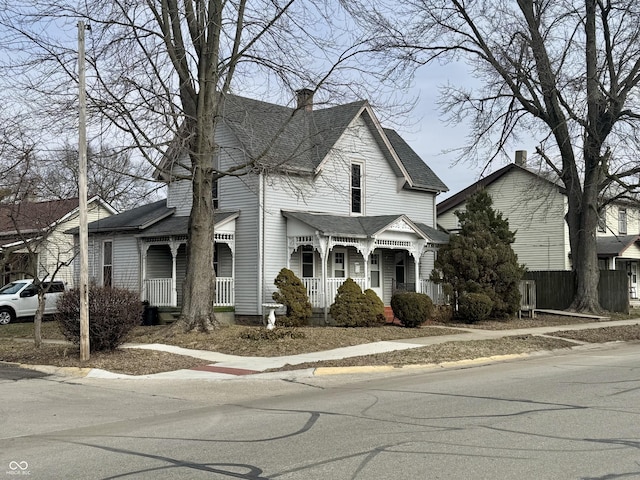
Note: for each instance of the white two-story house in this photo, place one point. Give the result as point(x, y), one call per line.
point(331, 194)
point(535, 205)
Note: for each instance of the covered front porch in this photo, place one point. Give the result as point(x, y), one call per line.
point(385, 254)
point(622, 253)
point(164, 265)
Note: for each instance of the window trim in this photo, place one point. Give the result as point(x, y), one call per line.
point(622, 221)
point(104, 265)
point(345, 264)
point(359, 188)
point(307, 249)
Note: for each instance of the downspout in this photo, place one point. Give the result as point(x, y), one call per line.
point(261, 236)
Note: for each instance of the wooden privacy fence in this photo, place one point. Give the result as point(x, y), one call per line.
point(555, 289)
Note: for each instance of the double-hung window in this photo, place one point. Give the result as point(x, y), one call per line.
point(622, 221)
point(356, 188)
point(107, 263)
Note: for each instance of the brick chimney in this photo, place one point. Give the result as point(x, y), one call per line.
point(305, 99)
point(521, 158)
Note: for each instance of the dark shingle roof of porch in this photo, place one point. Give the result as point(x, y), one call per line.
point(179, 225)
point(615, 246)
point(358, 227)
point(154, 219)
point(132, 220)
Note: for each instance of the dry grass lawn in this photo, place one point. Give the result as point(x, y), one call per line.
point(16, 344)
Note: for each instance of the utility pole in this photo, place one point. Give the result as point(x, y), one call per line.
point(82, 197)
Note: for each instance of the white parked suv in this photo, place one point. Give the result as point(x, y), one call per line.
point(20, 299)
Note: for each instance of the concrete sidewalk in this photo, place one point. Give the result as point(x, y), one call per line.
point(231, 366)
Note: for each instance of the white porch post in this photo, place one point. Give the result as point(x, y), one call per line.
point(323, 246)
point(416, 253)
point(174, 284)
point(145, 248)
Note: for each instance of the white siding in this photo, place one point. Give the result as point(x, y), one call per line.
point(57, 252)
point(535, 211)
point(241, 193)
point(330, 191)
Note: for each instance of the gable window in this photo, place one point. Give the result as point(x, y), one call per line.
point(306, 259)
point(356, 188)
point(107, 263)
point(622, 221)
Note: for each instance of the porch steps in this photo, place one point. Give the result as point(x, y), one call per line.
point(388, 313)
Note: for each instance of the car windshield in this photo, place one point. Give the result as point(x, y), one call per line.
point(11, 288)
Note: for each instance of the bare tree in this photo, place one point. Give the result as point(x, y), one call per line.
point(160, 71)
point(563, 73)
point(113, 175)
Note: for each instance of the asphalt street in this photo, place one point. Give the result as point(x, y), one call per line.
point(572, 415)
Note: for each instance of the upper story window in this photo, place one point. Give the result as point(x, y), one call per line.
point(356, 188)
point(622, 221)
point(214, 193)
point(602, 220)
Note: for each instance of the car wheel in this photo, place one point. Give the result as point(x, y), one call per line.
point(6, 316)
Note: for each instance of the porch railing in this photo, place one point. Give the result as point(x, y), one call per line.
point(314, 289)
point(159, 293)
point(434, 290)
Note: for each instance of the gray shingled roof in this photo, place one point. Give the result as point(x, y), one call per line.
point(151, 220)
point(179, 225)
point(358, 227)
point(304, 138)
point(612, 246)
point(421, 175)
point(276, 135)
point(132, 220)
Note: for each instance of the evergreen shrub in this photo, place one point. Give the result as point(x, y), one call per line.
point(474, 307)
point(411, 308)
point(293, 295)
point(353, 308)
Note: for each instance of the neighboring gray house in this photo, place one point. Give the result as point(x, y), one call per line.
point(535, 208)
point(332, 195)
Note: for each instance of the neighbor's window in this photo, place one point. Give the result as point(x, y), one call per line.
point(622, 221)
point(107, 263)
point(602, 220)
point(356, 188)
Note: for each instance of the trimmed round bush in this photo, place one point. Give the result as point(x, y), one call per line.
point(293, 295)
point(411, 308)
point(474, 307)
point(376, 308)
point(352, 308)
point(113, 313)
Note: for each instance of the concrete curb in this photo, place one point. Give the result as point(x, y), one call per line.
point(425, 366)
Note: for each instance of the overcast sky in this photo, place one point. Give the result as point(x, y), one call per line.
point(429, 136)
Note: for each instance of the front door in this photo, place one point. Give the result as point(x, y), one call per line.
point(633, 281)
point(375, 273)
